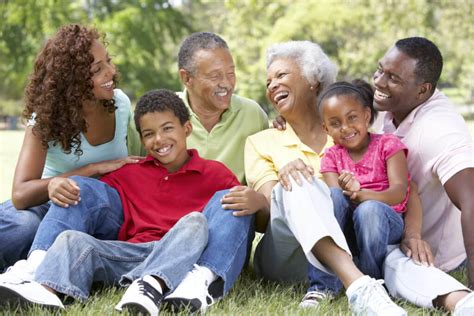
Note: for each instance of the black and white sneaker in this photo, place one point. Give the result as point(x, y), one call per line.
point(192, 294)
point(27, 293)
point(142, 297)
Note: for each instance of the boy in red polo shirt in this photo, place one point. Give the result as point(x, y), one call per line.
point(163, 234)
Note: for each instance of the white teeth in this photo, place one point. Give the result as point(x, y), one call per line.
point(381, 95)
point(280, 96)
point(108, 84)
point(221, 93)
point(164, 149)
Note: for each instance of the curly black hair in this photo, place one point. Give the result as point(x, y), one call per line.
point(60, 84)
point(161, 100)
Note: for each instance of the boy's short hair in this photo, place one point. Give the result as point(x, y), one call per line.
point(160, 100)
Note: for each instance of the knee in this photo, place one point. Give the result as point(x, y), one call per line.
point(197, 223)
point(369, 211)
point(72, 238)
point(219, 195)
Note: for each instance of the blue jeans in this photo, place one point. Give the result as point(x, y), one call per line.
point(99, 214)
point(370, 227)
point(226, 250)
point(76, 259)
point(17, 231)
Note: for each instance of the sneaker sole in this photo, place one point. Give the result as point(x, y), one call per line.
point(10, 298)
point(182, 304)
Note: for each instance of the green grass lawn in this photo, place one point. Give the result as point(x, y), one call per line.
point(250, 295)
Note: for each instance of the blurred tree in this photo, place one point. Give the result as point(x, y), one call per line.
point(142, 35)
point(24, 26)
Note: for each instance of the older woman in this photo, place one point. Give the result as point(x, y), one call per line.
point(299, 223)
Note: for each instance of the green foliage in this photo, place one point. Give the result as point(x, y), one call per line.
point(144, 35)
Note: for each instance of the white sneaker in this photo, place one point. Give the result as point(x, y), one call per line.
point(313, 298)
point(465, 306)
point(192, 293)
point(143, 296)
point(19, 272)
point(368, 297)
point(28, 292)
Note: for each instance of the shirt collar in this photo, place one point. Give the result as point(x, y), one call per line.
point(289, 139)
point(405, 125)
point(195, 162)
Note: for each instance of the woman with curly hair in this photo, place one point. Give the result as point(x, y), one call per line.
point(77, 124)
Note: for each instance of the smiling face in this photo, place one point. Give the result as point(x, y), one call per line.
point(287, 88)
point(211, 84)
point(397, 88)
point(103, 72)
point(347, 122)
point(164, 138)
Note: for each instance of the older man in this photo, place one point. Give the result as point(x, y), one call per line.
point(221, 120)
point(221, 123)
point(441, 162)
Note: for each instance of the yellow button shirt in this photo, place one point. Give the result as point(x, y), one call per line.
point(268, 151)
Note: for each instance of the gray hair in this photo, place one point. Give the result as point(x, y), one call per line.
point(313, 62)
point(196, 42)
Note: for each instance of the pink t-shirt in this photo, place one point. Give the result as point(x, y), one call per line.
point(371, 170)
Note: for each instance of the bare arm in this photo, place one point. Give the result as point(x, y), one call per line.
point(30, 190)
point(263, 215)
point(331, 179)
point(412, 244)
point(460, 190)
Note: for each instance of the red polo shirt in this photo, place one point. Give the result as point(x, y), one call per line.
point(153, 199)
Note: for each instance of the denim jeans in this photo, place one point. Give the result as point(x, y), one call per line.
point(370, 226)
point(76, 259)
point(17, 231)
point(99, 214)
point(229, 236)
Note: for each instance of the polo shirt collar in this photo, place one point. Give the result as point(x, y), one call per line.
point(405, 126)
point(195, 162)
point(290, 139)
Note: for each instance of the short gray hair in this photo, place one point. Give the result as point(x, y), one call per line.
point(194, 43)
point(314, 64)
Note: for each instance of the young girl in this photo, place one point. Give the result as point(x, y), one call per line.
point(77, 125)
point(367, 173)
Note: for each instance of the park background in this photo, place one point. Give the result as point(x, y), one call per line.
point(144, 37)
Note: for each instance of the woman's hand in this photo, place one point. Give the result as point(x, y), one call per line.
point(63, 191)
point(279, 123)
point(244, 200)
point(295, 169)
point(107, 166)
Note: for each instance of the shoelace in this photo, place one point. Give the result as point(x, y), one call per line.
point(149, 291)
point(314, 296)
point(374, 293)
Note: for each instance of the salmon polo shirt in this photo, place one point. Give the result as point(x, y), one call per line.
point(153, 199)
